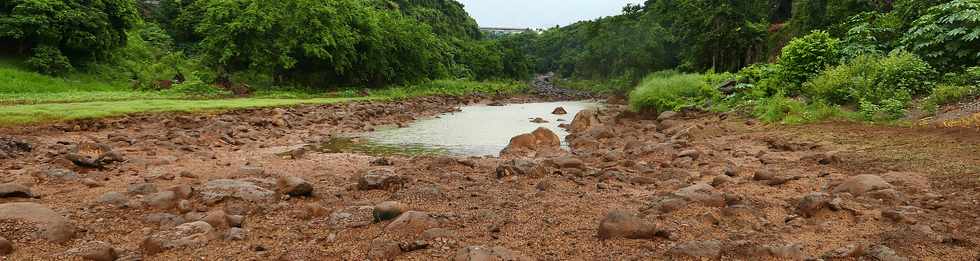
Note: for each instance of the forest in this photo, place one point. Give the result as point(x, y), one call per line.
point(782, 57)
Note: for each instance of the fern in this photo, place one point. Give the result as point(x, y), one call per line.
point(948, 35)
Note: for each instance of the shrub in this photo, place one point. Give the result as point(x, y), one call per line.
point(199, 89)
point(666, 91)
point(806, 56)
point(947, 94)
point(881, 86)
point(49, 60)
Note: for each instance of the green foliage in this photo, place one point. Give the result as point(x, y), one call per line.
point(807, 56)
point(148, 58)
point(948, 35)
point(75, 28)
point(948, 94)
point(320, 42)
point(883, 87)
point(780, 109)
point(49, 60)
point(670, 91)
point(447, 18)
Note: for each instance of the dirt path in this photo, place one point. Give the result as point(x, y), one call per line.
point(241, 186)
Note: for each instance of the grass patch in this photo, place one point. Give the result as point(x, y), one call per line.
point(669, 91)
point(947, 94)
point(448, 87)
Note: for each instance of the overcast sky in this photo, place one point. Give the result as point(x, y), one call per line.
point(540, 13)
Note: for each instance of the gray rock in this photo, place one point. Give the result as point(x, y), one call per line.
point(883, 253)
point(189, 235)
point(221, 189)
point(622, 224)
point(705, 248)
point(142, 189)
point(164, 219)
point(236, 234)
point(812, 203)
point(294, 186)
point(59, 175)
point(667, 115)
point(53, 227)
point(98, 251)
point(161, 200)
point(861, 184)
point(379, 179)
point(352, 217)
point(113, 199)
point(13, 190)
point(388, 210)
point(474, 253)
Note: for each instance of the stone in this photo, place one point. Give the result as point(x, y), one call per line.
point(667, 115)
point(884, 253)
point(294, 187)
point(91, 183)
point(436, 233)
point(693, 154)
point(559, 111)
point(702, 193)
point(622, 224)
point(788, 252)
point(113, 199)
point(161, 200)
point(720, 180)
point(182, 191)
point(384, 250)
point(164, 219)
point(569, 163)
point(413, 223)
point(812, 203)
point(52, 226)
point(352, 217)
point(251, 171)
point(540, 141)
point(584, 120)
point(482, 253)
point(6, 247)
point(235, 234)
point(539, 120)
point(764, 174)
point(520, 167)
point(98, 251)
point(381, 179)
point(848, 251)
point(142, 189)
point(59, 175)
point(218, 219)
point(220, 189)
point(189, 235)
point(701, 249)
point(13, 190)
point(388, 210)
point(861, 184)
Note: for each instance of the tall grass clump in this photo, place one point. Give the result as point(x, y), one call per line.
point(671, 91)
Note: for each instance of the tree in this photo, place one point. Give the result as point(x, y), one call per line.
point(948, 35)
point(74, 29)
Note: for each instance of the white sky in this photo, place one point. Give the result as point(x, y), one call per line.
point(540, 13)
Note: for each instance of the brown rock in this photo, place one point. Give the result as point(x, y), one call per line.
point(53, 226)
point(12, 190)
point(584, 120)
point(99, 251)
point(541, 140)
point(559, 111)
point(812, 203)
point(384, 250)
point(388, 210)
point(702, 193)
point(861, 184)
point(189, 235)
point(294, 186)
point(6, 247)
point(379, 179)
point(705, 249)
point(218, 219)
point(162, 200)
point(622, 224)
point(482, 253)
point(520, 167)
point(412, 223)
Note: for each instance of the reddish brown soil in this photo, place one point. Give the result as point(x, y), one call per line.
point(630, 163)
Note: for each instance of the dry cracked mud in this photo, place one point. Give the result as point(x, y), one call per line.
point(243, 185)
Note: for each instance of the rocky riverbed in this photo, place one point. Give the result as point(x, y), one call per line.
point(244, 185)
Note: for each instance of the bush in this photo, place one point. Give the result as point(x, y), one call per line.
point(669, 91)
point(806, 56)
point(198, 89)
point(779, 108)
point(49, 60)
point(947, 94)
point(881, 86)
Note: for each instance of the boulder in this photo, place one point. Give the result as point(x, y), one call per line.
point(189, 235)
point(861, 184)
point(388, 210)
point(384, 250)
point(540, 141)
point(51, 226)
point(13, 190)
point(622, 224)
point(380, 179)
point(520, 167)
point(482, 253)
point(98, 251)
point(221, 189)
point(584, 120)
point(559, 111)
point(294, 186)
point(6, 247)
point(161, 200)
point(702, 193)
point(413, 223)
